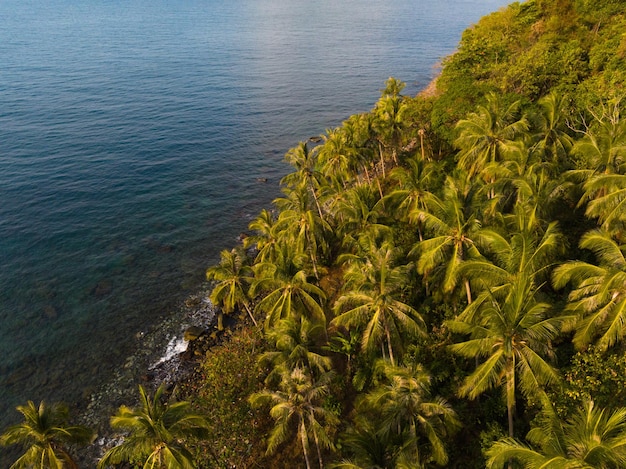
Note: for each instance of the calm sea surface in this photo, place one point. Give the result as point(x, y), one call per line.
point(132, 135)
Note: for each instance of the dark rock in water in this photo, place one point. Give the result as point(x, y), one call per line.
point(165, 248)
point(192, 302)
point(50, 312)
point(103, 288)
point(193, 333)
point(316, 139)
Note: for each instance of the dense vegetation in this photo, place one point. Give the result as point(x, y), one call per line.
point(443, 281)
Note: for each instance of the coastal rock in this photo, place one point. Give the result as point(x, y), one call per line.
point(192, 333)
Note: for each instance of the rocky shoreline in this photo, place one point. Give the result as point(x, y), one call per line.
point(166, 354)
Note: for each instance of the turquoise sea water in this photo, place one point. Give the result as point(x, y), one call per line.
point(132, 137)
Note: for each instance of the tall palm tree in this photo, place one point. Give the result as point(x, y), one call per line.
point(489, 134)
point(450, 223)
point(304, 160)
point(264, 238)
point(358, 212)
point(295, 344)
point(159, 434)
point(407, 409)
point(593, 438)
point(299, 226)
point(298, 403)
point(513, 331)
point(233, 275)
point(598, 295)
point(285, 290)
point(373, 301)
point(45, 435)
point(552, 138)
point(603, 145)
point(389, 120)
point(335, 155)
point(413, 183)
point(606, 195)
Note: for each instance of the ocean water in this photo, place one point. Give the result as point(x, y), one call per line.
point(133, 135)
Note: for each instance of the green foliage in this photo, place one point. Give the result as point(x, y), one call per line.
point(594, 375)
point(228, 375)
point(45, 436)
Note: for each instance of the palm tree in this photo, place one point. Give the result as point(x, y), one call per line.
point(513, 331)
point(406, 408)
point(305, 161)
point(264, 238)
point(607, 201)
point(409, 199)
point(44, 435)
point(599, 294)
point(335, 155)
point(294, 342)
point(489, 134)
point(299, 226)
point(603, 146)
point(552, 139)
point(233, 275)
point(452, 223)
point(285, 290)
point(389, 113)
point(373, 301)
point(159, 434)
point(298, 403)
point(358, 212)
point(593, 438)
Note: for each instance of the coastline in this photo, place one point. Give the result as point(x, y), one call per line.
point(159, 358)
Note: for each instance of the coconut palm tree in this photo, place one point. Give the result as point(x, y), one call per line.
point(295, 343)
point(373, 301)
point(233, 275)
point(599, 293)
point(45, 436)
point(606, 195)
point(304, 160)
point(264, 238)
point(389, 120)
point(593, 438)
point(489, 135)
point(512, 330)
point(285, 289)
point(412, 191)
point(603, 145)
point(299, 226)
point(406, 408)
point(297, 404)
point(358, 212)
point(552, 139)
point(450, 224)
point(159, 434)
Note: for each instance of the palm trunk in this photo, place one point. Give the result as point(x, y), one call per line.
point(220, 320)
point(468, 292)
point(245, 305)
point(317, 445)
point(387, 333)
point(510, 396)
point(367, 174)
point(382, 157)
point(305, 444)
